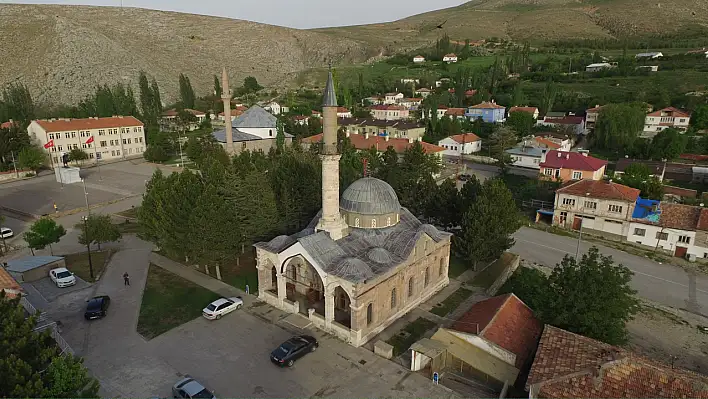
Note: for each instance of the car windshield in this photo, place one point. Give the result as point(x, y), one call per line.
point(94, 304)
point(64, 274)
point(285, 348)
point(211, 306)
point(203, 394)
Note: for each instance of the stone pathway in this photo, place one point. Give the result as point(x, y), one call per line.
point(199, 278)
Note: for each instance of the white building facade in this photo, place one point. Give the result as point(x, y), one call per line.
point(460, 144)
point(663, 119)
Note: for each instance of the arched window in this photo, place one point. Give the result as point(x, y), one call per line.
point(369, 314)
point(393, 298)
point(410, 287)
point(293, 272)
point(442, 266)
point(270, 132)
point(427, 277)
point(373, 223)
point(388, 221)
point(356, 222)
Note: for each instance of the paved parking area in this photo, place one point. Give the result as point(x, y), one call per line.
point(50, 292)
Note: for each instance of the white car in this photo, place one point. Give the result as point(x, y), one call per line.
point(221, 307)
point(6, 232)
point(62, 277)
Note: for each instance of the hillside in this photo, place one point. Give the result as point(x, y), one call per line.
point(535, 20)
point(63, 52)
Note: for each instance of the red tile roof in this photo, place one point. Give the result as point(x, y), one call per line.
point(423, 89)
point(572, 160)
point(530, 110)
point(678, 216)
point(569, 365)
point(594, 109)
point(237, 111)
point(9, 284)
point(388, 107)
point(546, 142)
point(6, 125)
point(65, 125)
point(470, 93)
point(505, 321)
point(342, 110)
point(487, 105)
point(674, 112)
point(703, 220)
point(600, 189)
point(173, 112)
point(360, 142)
point(465, 138)
point(456, 111)
point(450, 55)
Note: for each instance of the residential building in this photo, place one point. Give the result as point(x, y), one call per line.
point(656, 168)
point(316, 114)
point(669, 117)
point(363, 142)
point(551, 142)
point(343, 112)
point(450, 58)
point(568, 365)
point(362, 263)
point(531, 110)
point(275, 108)
point(566, 166)
point(168, 120)
point(591, 115)
point(679, 229)
point(389, 112)
point(555, 115)
point(470, 93)
point(378, 127)
point(601, 206)
point(240, 109)
point(703, 51)
point(301, 120)
point(527, 156)
point(253, 130)
point(411, 103)
point(8, 124)
point(441, 110)
point(410, 81)
point(423, 92)
point(374, 100)
point(649, 68)
point(439, 83)
point(652, 55)
point(456, 113)
point(32, 268)
point(493, 344)
point(393, 98)
point(8, 284)
point(597, 67)
point(418, 59)
point(699, 174)
point(116, 137)
point(570, 124)
point(459, 144)
point(489, 112)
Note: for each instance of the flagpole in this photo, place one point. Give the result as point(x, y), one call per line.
point(95, 153)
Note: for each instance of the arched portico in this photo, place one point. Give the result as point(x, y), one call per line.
point(302, 284)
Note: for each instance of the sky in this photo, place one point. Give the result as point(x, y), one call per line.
point(292, 13)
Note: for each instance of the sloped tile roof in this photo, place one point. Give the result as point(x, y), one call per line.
point(174, 112)
point(530, 110)
point(65, 125)
point(487, 105)
point(465, 138)
point(656, 167)
point(678, 216)
point(360, 142)
point(566, 120)
point(388, 107)
point(456, 111)
point(703, 220)
point(8, 283)
point(600, 189)
point(572, 160)
point(675, 112)
point(569, 365)
point(546, 142)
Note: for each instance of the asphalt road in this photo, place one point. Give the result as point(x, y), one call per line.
point(665, 284)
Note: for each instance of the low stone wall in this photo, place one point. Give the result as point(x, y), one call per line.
point(383, 349)
point(512, 263)
point(11, 175)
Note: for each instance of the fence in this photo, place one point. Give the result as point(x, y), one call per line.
point(61, 342)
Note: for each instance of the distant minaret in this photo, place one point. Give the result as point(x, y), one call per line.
point(331, 220)
point(226, 98)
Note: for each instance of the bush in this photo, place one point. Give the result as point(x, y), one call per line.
point(155, 154)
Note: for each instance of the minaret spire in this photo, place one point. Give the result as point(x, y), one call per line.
point(226, 98)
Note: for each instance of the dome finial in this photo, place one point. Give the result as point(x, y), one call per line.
point(330, 96)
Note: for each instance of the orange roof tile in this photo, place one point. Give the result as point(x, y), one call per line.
point(456, 111)
point(388, 108)
point(548, 143)
point(674, 112)
point(360, 142)
point(679, 216)
point(530, 110)
point(572, 160)
point(465, 138)
point(600, 189)
point(65, 125)
point(487, 105)
point(8, 284)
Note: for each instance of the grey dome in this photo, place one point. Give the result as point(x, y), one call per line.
point(370, 196)
point(353, 268)
point(380, 255)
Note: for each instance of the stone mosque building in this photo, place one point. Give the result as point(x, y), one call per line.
point(362, 263)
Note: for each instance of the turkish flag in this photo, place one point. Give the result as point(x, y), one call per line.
point(49, 144)
point(90, 140)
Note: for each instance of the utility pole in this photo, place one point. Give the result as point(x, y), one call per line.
point(88, 209)
point(88, 244)
point(14, 164)
point(580, 237)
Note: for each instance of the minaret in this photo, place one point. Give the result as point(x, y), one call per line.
point(226, 98)
point(331, 220)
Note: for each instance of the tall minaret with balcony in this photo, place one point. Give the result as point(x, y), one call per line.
point(331, 221)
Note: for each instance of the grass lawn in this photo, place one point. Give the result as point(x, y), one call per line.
point(169, 301)
point(130, 213)
point(452, 302)
point(457, 267)
point(128, 227)
point(409, 335)
point(79, 263)
point(489, 275)
point(236, 275)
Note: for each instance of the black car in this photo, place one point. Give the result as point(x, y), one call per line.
point(97, 307)
point(293, 349)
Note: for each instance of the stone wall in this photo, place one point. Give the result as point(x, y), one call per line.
point(511, 264)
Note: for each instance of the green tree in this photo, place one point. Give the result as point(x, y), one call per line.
point(217, 86)
point(487, 225)
point(44, 232)
point(18, 104)
point(31, 363)
point(155, 153)
point(146, 101)
point(77, 154)
point(618, 126)
point(12, 141)
point(280, 135)
point(186, 92)
point(250, 85)
point(100, 230)
point(668, 144)
point(501, 140)
point(521, 122)
point(699, 118)
point(519, 97)
point(638, 176)
point(32, 158)
point(548, 97)
point(445, 205)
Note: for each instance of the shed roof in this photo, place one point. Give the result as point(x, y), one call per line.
point(30, 262)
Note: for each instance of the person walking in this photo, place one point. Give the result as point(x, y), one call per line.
point(126, 279)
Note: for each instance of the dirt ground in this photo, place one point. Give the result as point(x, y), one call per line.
point(666, 335)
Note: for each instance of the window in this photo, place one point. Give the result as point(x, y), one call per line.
point(568, 201)
point(536, 160)
point(73, 135)
point(615, 208)
point(141, 140)
point(102, 132)
point(117, 152)
point(84, 145)
point(59, 148)
point(410, 287)
point(591, 204)
point(563, 217)
point(270, 132)
point(684, 239)
point(129, 141)
point(393, 298)
point(662, 236)
point(640, 232)
point(51, 136)
point(130, 150)
point(373, 223)
point(356, 222)
point(103, 143)
point(388, 221)
point(243, 145)
point(113, 153)
point(441, 268)
point(427, 277)
point(548, 172)
point(369, 314)
point(76, 146)
point(577, 175)
point(91, 155)
point(125, 141)
point(66, 135)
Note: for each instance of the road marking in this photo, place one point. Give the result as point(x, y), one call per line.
point(634, 271)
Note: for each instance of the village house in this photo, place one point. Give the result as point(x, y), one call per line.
point(366, 141)
point(466, 143)
point(234, 113)
point(253, 130)
point(169, 122)
point(389, 112)
point(410, 103)
point(601, 206)
point(450, 58)
point(377, 127)
point(116, 137)
point(373, 100)
point(669, 117)
point(275, 108)
point(456, 113)
point(702, 51)
point(316, 114)
point(551, 142)
point(526, 155)
point(591, 115)
point(569, 124)
point(531, 110)
point(301, 120)
point(566, 166)
point(410, 81)
point(656, 168)
point(418, 59)
point(652, 55)
point(648, 68)
point(392, 98)
point(8, 284)
point(568, 365)
point(489, 112)
point(599, 66)
point(423, 92)
point(343, 112)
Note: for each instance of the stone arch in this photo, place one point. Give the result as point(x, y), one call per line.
point(342, 306)
point(369, 314)
point(303, 284)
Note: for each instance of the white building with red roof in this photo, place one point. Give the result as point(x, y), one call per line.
point(450, 58)
point(343, 112)
point(663, 119)
point(418, 59)
point(389, 112)
point(423, 92)
point(116, 137)
point(459, 144)
point(567, 166)
point(531, 110)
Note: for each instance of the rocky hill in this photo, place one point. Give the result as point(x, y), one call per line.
point(63, 52)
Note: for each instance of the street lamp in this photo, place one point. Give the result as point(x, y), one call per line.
point(88, 244)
